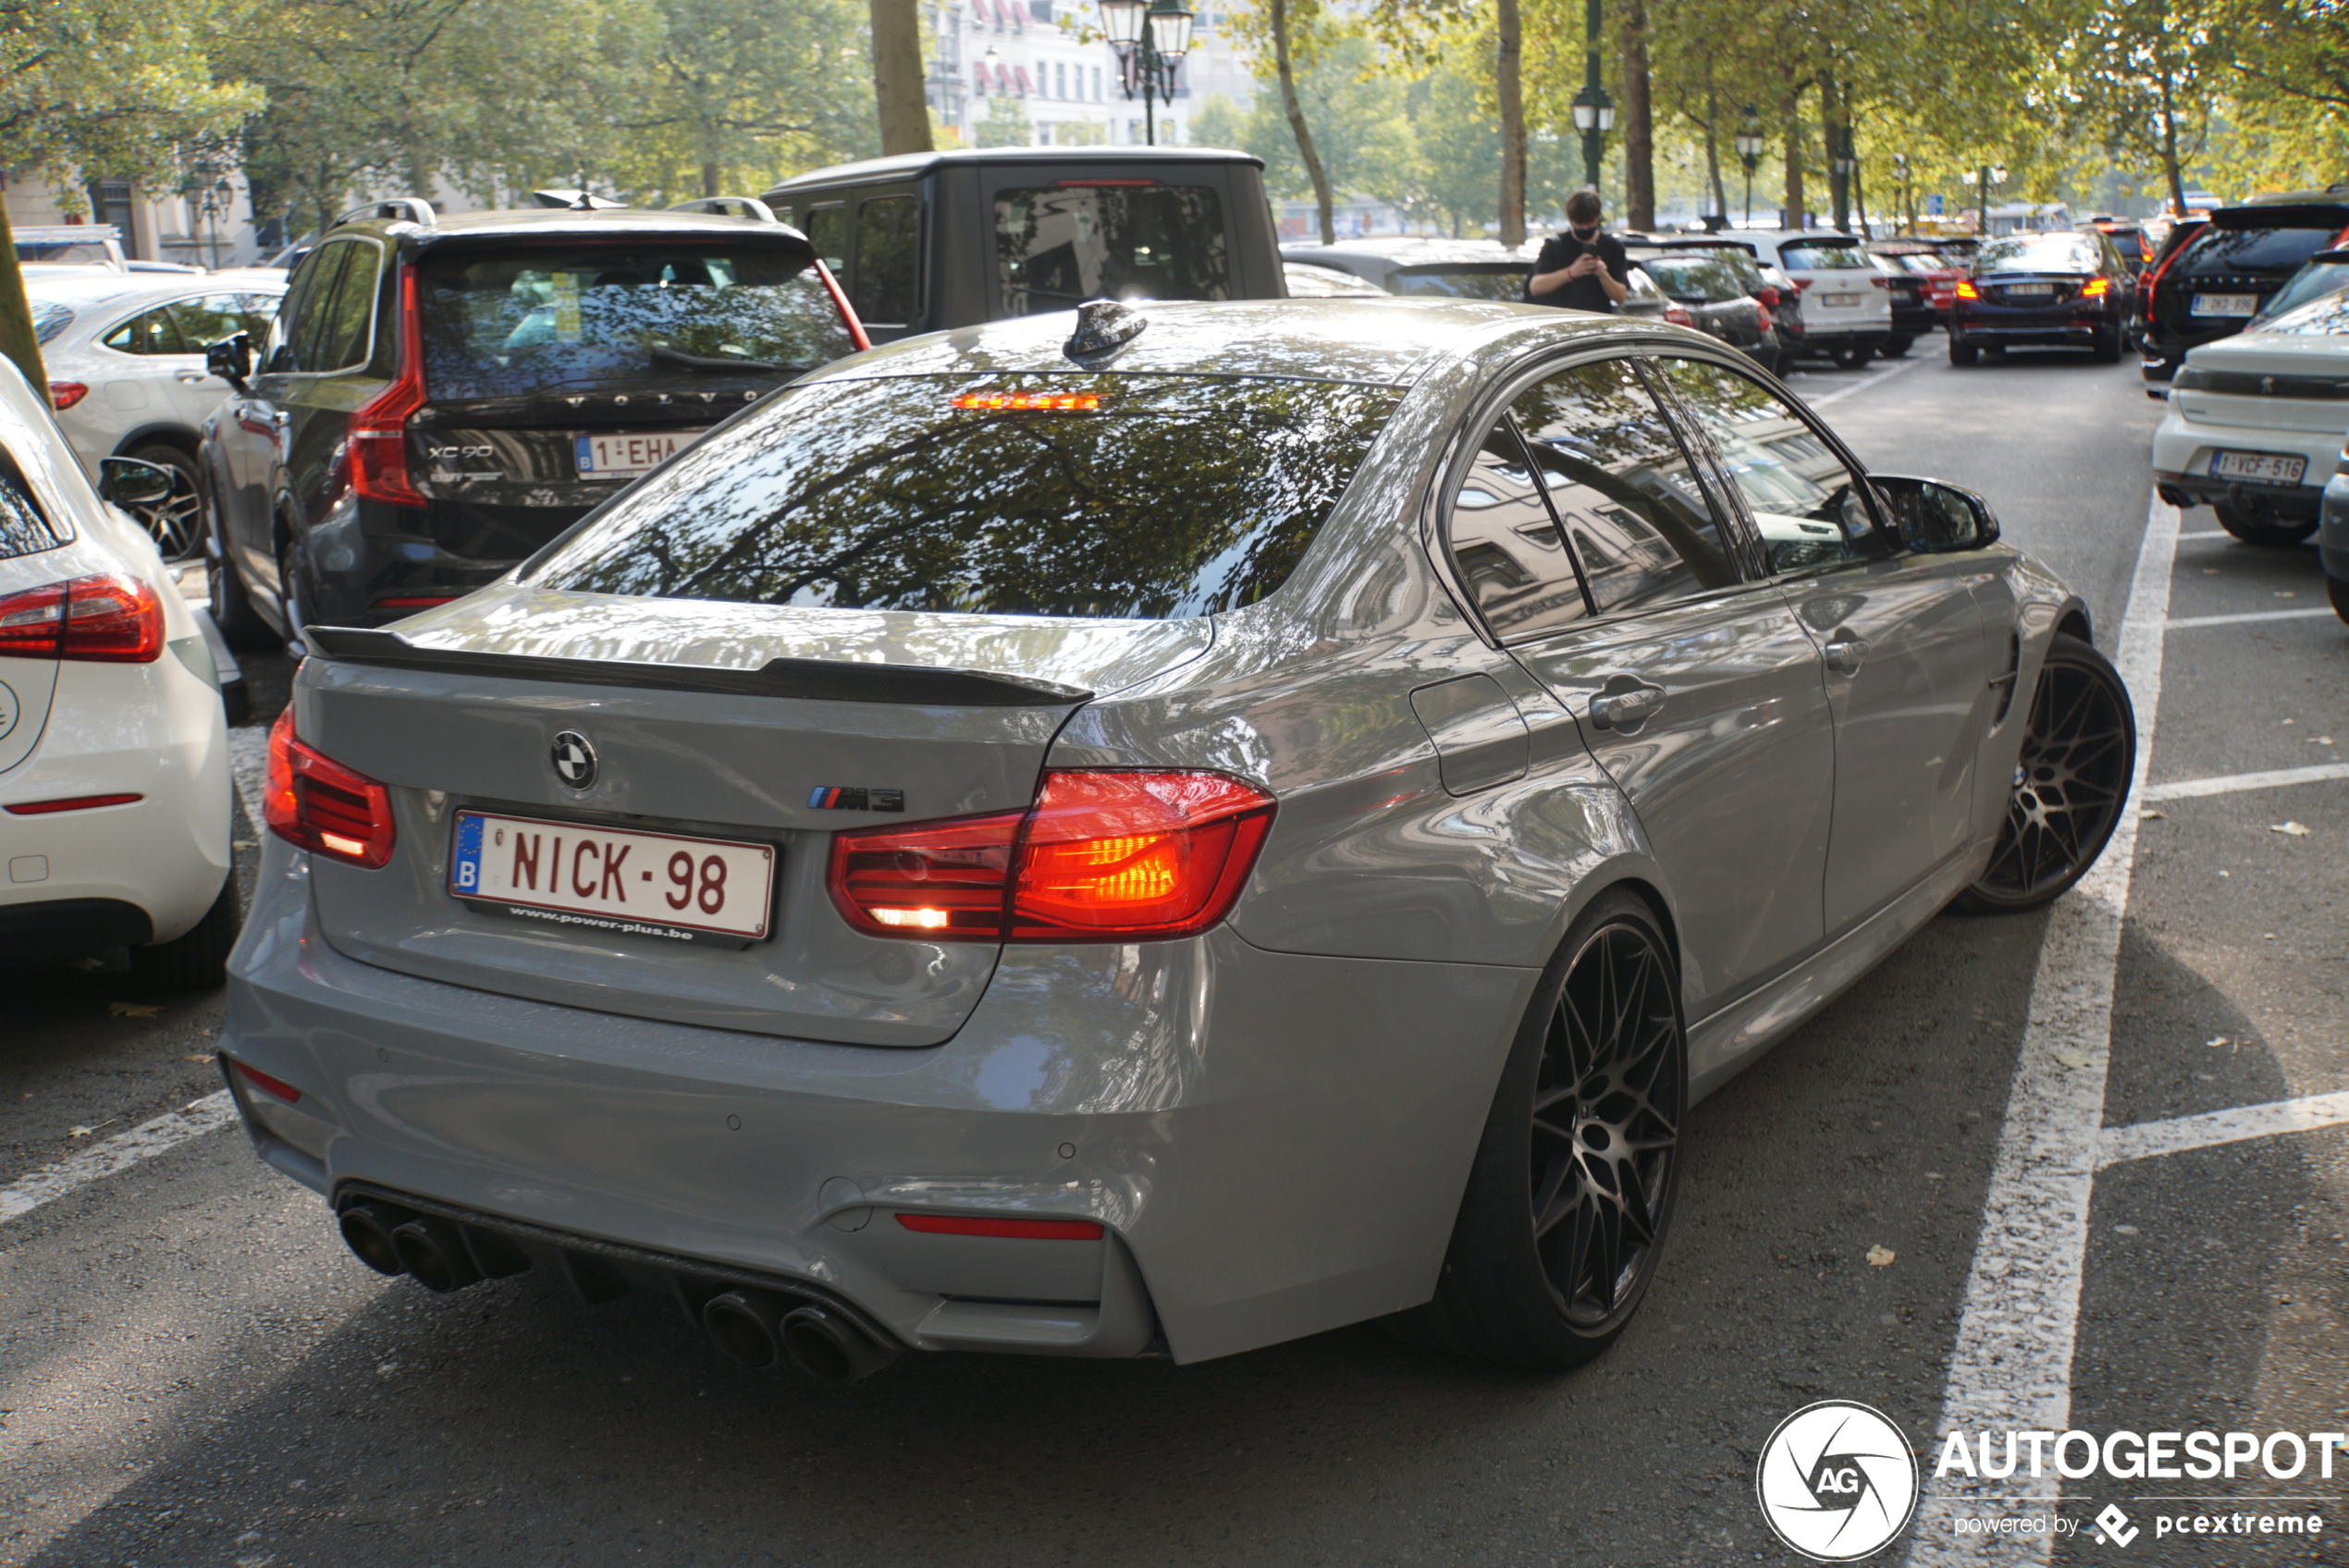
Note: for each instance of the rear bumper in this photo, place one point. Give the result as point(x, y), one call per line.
point(2183, 449)
point(2332, 529)
point(1278, 1142)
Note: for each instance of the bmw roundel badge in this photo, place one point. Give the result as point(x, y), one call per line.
point(574, 759)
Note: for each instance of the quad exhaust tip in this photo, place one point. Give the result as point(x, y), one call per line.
point(760, 1331)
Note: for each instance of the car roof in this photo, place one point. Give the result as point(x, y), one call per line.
point(601, 224)
point(110, 287)
point(1407, 250)
point(1391, 341)
point(2310, 209)
point(907, 165)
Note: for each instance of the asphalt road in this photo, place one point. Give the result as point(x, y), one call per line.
point(193, 1371)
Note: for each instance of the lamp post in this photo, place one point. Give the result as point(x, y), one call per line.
point(1900, 178)
point(1150, 42)
point(1846, 165)
point(1992, 174)
point(1748, 142)
point(1594, 110)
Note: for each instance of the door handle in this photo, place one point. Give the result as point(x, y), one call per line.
point(190, 377)
point(1846, 652)
point(1627, 709)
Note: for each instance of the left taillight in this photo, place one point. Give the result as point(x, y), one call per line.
point(1103, 856)
point(1762, 320)
point(379, 428)
point(316, 803)
point(66, 393)
point(1678, 315)
point(108, 618)
point(1966, 290)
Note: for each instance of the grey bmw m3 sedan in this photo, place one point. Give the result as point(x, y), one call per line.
point(1156, 831)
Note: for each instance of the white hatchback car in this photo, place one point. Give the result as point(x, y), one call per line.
point(1847, 308)
point(2255, 421)
point(124, 356)
point(114, 788)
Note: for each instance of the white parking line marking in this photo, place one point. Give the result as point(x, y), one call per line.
point(2150, 1140)
point(116, 1154)
point(249, 762)
point(1877, 379)
point(2186, 622)
point(2204, 533)
point(2229, 783)
point(2020, 1312)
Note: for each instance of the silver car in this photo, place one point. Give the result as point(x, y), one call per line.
point(1242, 819)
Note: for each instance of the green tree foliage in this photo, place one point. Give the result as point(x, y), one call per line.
point(1360, 130)
point(1005, 124)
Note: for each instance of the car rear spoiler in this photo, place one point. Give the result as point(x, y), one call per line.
point(823, 681)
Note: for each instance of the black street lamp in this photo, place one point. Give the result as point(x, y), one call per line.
point(1594, 110)
point(1907, 200)
point(1748, 142)
point(1847, 167)
point(1992, 174)
point(1150, 42)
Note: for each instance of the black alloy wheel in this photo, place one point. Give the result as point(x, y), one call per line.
point(2071, 781)
point(1572, 1192)
point(1850, 356)
point(2253, 529)
point(1961, 353)
point(176, 522)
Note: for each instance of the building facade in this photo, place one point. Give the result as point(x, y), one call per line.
point(1038, 73)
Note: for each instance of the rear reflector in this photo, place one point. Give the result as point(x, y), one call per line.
point(322, 806)
point(1023, 1230)
point(1101, 857)
point(108, 618)
point(265, 1083)
point(78, 803)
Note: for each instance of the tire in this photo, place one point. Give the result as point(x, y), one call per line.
point(1549, 1259)
point(241, 625)
point(199, 960)
point(1893, 347)
point(1850, 356)
point(2071, 782)
point(2106, 349)
point(2337, 592)
point(2252, 531)
point(176, 523)
point(1962, 354)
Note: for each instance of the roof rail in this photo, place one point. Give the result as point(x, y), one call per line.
point(724, 206)
point(415, 208)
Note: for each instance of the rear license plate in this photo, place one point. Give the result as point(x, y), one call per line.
point(625, 457)
point(2029, 291)
point(2264, 468)
point(650, 884)
point(2225, 304)
point(1839, 300)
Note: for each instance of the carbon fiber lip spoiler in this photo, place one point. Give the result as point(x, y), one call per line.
point(822, 680)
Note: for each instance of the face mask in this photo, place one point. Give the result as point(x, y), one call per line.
point(1581, 233)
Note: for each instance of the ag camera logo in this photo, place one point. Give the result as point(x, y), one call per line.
point(1837, 1481)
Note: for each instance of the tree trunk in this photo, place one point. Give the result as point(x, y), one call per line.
point(17, 340)
point(1713, 144)
point(1792, 105)
point(1508, 86)
point(1639, 119)
point(1831, 113)
point(2170, 168)
point(897, 76)
point(1285, 68)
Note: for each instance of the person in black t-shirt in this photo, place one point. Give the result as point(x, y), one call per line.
point(1582, 269)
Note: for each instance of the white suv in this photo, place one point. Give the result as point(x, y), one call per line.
point(1847, 306)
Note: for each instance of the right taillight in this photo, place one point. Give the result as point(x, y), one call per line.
point(316, 803)
point(108, 618)
point(1103, 856)
point(66, 393)
point(1966, 290)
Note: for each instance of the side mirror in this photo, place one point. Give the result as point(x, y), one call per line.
point(128, 482)
point(1934, 518)
point(230, 358)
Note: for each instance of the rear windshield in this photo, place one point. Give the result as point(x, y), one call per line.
point(1921, 262)
point(1502, 281)
point(2253, 250)
point(49, 318)
point(1057, 246)
point(1129, 496)
point(2314, 281)
point(513, 322)
point(1822, 258)
point(2039, 252)
point(2129, 242)
point(1695, 277)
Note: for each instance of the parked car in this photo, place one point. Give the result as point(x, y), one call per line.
point(114, 794)
point(70, 244)
point(1912, 305)
point(2332, 536)
point(2254, 421)
point(930, 240)
point(1847, 313)
point(1307, 282)
point(2068, 289)
point(124, 353)
point(1018, 844)
point(2130, 240)
point(439, 397)
point(1713, 299)
point(1934, 277)
point(1457, 269)
point(2214, 277)
point(1770, 287)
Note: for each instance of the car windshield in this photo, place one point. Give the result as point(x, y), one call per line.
point(2277, 250)
point(49, 318)
point(2039, 252)
point(1823, 258)
point(1128, 497)
point(1695, 277)
point(510, 323)
point(1461, 281)
point(2312, 282)
point(1058, 245)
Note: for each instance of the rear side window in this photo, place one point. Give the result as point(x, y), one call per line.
point(1058, 245)
point(311, 330)
point(207, 321)
point(2253, 249)
point(50, 319)
point(1823, 258)
point(1129, 496)
point(150, 332)
point(1690, 278)
point(1506, 545)
point(1460, 282)
point(887, 234)
point(510, 323)
point(25, 529)
point(827, 230)
point(346, 333)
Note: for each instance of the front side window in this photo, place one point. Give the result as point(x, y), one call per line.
point(1506, 545)
point(207, 320)
point(513, 322)
point(1126, 496)
point(1058, 245)
point(1624, 487)
point(1805, 503)
point(150, 332)
point(888, 234)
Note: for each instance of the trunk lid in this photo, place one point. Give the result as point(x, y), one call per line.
point(746, 724)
